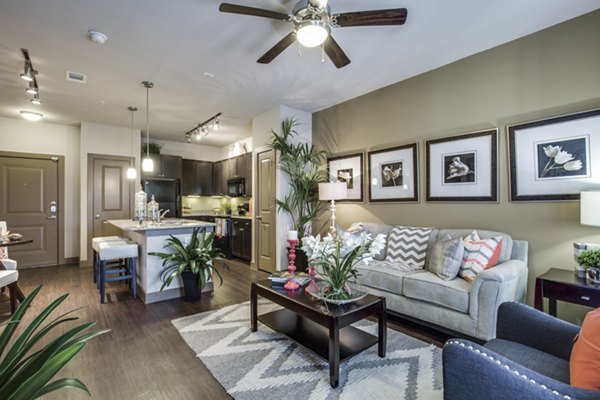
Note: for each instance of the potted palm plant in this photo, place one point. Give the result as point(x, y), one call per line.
point(305, 167)
point(26, 374)
point(194, 262)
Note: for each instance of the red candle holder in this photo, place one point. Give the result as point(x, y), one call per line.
point(312, 287)
point(291, 283)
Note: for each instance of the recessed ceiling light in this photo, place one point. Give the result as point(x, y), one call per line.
point(209, 75)
point(31, 116)
point(97, 37)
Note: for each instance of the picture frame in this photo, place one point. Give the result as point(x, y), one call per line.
point(348, 168)
point(463, 168)
point(393, 174)
point(554, 159)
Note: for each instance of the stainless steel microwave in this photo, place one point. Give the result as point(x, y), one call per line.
point(236, 187)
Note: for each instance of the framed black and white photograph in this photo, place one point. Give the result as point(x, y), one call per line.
point(463, 167)
point(393, 174)
point(349, 169)
point(554, 159)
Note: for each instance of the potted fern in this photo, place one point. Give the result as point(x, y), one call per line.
point(305, 167)
point(25, 374)
point(194, 262)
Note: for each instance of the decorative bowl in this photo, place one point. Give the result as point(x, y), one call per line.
point(15, 236)
point(358, 292)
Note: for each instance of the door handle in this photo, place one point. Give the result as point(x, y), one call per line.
point(97, 216)
point(51, 217)
point(258, 217)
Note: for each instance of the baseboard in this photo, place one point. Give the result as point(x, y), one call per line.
point(167, 294)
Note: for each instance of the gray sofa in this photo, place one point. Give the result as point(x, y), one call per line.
point(455, 305)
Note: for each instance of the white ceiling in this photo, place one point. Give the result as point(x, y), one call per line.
point(173, 43)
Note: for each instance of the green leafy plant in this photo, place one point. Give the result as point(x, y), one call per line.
point(227, 207)
point(589, 258)
point(196, 257)
point(25, 373)
point(305, 167)
point(154, 148)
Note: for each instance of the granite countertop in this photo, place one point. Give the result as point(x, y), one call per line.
point(207, 214)
point(167, 223)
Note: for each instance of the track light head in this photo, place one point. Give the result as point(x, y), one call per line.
point(36, 100)
point(28, 73)
point(32, 88)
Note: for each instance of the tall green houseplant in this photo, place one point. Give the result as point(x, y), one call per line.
point(305, 167)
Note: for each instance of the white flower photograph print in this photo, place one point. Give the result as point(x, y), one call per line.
point(393, 174)
point(460, 168)
point(556, 158)
point(349, 169)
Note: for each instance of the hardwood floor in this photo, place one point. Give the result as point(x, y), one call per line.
point(143, 356)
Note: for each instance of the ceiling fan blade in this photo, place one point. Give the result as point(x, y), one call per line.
point(394, 16)
point(277, 49)
point(335, 53)
point(257, 12)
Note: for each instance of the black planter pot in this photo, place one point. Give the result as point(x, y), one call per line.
point(301, 261)
point(191, 286)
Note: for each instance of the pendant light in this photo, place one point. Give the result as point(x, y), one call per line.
point(131, 171)
point(147, 164)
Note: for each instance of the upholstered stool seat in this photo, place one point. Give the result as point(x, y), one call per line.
point(112, 251)
point(9, 278)
point(9, 264)
point(96, 247)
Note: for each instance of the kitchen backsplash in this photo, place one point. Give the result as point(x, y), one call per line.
point(202, 204)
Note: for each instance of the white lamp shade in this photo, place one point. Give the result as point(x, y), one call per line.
point(590, 208)
point(147, 165)
point(333, 191)
point(131, 173)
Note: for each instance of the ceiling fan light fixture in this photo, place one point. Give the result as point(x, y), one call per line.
point(312, 33)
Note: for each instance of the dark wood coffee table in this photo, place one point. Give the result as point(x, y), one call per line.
point(323, 330)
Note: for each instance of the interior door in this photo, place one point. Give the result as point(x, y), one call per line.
point(112, 193)
point(265, 211)
point(29, 205)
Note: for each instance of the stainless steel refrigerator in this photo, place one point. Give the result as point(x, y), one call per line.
point(167, 192)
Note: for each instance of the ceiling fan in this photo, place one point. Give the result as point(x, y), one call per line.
point(313, 21)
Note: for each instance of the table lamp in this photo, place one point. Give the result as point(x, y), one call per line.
point(333, 191)
point(590, 208)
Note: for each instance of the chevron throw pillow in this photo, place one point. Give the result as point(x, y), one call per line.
point(408, 245)
point(479, 255)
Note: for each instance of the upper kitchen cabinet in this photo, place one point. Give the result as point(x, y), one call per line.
point(243, 166)
point(165, 166)
point(220, 176)
point(197, 178)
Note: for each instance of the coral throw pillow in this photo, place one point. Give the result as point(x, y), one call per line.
point(585, 357)
point(479, 255)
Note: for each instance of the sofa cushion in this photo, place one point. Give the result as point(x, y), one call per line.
point(408, 245)
point(375, 229)
point(479, 255)
point(428, 287)
point(507, 242)
point(446, 258)
point(381, 275)
point(585, 357)
point(536, 360)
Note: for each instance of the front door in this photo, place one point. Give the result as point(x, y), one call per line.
point(29, 205)
point(111, 197)
point(265, 211)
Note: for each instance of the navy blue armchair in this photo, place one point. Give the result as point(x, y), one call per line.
point(528, 359)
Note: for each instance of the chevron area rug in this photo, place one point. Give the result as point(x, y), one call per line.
point(266, 365)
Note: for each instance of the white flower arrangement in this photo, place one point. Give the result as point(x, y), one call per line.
point(558, 158)
point(338, 258)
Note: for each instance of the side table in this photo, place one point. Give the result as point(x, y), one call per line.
point(558, 284)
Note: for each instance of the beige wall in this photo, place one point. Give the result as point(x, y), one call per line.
point(549, 73)
point(39, 137)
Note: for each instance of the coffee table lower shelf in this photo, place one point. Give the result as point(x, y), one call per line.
point(315, 337)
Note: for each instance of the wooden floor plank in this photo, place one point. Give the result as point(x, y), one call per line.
point(143, 357)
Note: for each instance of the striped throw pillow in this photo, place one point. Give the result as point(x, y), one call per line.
point(408, 245)
point(479, 255)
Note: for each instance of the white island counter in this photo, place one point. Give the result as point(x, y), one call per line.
point(153, 238)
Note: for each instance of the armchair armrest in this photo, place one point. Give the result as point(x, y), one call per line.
point(492, 287)
point(516, 322)
point(472, 372)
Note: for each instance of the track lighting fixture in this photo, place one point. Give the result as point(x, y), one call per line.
point(32, 88)
point(29, 75)
point(203, 128)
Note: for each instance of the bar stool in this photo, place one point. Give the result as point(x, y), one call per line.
point(96, 247)
point(9, 278)
point(113, 251)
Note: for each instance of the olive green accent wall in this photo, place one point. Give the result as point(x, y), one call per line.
point(549, 73)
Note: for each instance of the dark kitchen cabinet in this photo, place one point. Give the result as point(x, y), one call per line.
point(165, 166)
point(241, 243)
point(197, 178)
point(218, 188)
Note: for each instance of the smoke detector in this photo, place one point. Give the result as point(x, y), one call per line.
point(97, 37)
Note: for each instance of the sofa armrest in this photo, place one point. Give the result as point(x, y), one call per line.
point(492, 287)
point(472, 372)
point(516, 322)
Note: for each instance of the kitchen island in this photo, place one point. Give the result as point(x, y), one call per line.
point(152, 238)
